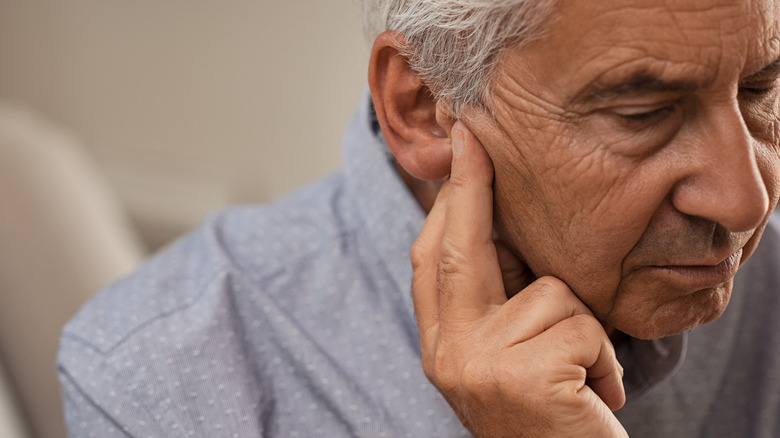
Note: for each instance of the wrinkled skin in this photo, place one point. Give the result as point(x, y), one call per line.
point(643, 198)
point(629, 158)
point(538, 364)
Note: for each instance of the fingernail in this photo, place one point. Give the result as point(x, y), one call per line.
point(457, 142)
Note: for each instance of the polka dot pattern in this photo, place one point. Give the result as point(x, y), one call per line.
point(288, 320)
point(295, 320)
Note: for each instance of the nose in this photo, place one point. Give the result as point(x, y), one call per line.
point(723, 183)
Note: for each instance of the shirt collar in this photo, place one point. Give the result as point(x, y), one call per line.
point(647, 363)
point(391, 216)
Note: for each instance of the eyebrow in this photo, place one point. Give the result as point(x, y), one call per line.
point(771, 69)
point(646, 83)
point(639, 83)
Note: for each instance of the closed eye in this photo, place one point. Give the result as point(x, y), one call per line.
point(646, 115)
point(642, 117)
point(757, 89)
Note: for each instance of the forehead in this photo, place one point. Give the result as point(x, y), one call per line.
point(710, 40)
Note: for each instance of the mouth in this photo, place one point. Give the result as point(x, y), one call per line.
point(703, 276)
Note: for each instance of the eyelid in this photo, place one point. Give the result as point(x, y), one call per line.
point(654, 118)
point(634, 110)
point(638, 110)
point(757, 89)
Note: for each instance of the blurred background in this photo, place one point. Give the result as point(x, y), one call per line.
point(122, 123)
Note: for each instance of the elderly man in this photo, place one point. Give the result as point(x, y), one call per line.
point(609, 168)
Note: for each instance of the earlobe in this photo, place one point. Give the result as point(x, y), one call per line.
point(415, 127)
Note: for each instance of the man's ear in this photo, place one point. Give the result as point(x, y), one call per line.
point(415, 126)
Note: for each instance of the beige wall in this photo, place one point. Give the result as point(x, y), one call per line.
point(190, 104)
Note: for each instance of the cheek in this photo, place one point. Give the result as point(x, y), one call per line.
point(533, 202)
point(569, 206)
point(576, 216)
point(768, 158)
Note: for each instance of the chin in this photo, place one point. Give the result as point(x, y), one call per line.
point(660, 320)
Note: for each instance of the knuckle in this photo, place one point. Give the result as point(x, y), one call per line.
point(582, 328)
point(548, 289)
point(587, 323)
point(449, 265)
point(475, 377)
point(440, 372)
point(452, 261)
point(552, 286)
point(467, 378)
point(419, 254)
point(458, 180)
point(472, 381)
point(429, 368)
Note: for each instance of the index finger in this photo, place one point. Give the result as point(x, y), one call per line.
point(424, 256)
point(469, 274)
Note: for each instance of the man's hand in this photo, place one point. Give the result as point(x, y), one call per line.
point(535, 364)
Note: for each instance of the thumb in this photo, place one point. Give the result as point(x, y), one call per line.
point(515, 273)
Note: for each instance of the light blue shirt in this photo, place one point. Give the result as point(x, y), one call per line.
point(295, 320)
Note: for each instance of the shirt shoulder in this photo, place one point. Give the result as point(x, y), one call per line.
point(258, 243)
point(174, 333)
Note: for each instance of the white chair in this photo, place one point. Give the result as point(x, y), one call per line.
point(63, 236)
point(11, 416)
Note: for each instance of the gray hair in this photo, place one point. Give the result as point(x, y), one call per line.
point(455, 45)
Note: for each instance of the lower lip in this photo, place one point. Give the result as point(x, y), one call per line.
point(703, 277)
